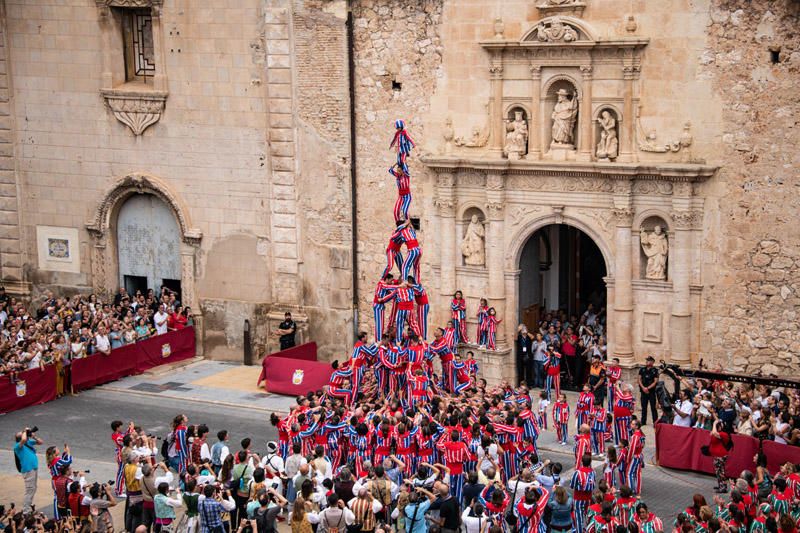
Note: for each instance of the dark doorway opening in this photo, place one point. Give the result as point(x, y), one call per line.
point(135, 283)
point(174, 285)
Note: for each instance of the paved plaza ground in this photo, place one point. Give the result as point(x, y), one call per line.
point(224, 396)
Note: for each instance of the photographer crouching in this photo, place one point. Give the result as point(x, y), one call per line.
point(27, 463)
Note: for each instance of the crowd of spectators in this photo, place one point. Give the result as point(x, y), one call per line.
point(61, 329)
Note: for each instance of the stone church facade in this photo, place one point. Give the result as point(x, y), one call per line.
point(641, 156)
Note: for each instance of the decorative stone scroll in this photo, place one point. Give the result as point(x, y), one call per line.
point(137, 110)
point(686, 220)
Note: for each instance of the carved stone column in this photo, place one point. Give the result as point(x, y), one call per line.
point(623, 288)
point(680, 261)
point(497, 122)
point(448, 240)
point(585, 110)
point(495, 204)
point(188, 296)
point(626, 155)
point(535, 121)
point(100, 264)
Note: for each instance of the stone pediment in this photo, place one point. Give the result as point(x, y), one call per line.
point(559, 29)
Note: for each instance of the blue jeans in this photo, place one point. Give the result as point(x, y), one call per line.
point(538, 374)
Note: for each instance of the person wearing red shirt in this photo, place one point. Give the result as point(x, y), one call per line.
point(718, 448)
point(569, 341)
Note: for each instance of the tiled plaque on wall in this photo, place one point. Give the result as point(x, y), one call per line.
point(58, 249)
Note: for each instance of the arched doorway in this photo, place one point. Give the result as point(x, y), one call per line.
point(561, 271)
point(148, 245)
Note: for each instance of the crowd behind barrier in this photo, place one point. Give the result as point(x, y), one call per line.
point(37, 386)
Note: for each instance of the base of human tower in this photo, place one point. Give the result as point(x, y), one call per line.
point(494, 365)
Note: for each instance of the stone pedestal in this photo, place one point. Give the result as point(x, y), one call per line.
point(493, 366)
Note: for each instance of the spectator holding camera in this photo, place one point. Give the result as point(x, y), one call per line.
point(211, 507)
point(101, 499)
point(419, 501)
point(27, 463)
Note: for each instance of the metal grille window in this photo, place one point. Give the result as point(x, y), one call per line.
point(137, 30)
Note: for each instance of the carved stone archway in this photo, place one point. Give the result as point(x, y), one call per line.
point(101, 227)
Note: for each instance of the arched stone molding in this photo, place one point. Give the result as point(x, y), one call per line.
point(105, 263)
point(521, 236)
point(513, 105)
point(641, 216)
point(562, 77)
point(466, 206)
point(600, 107)
point(585, 31)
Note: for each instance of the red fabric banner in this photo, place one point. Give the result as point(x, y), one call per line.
point(679, 447)
point(170, 348)
point(290, 376)
point(133, 359)
point(32, 387)
point(779, 454)
point(305, 352)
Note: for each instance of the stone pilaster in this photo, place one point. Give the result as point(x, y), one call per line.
point(684, 222)
point(445, 202)
point(586, 145)
point(630, 73)
point(534, 120)
point(10, 244)
point(495, 203)
point(286, 288)
point(623, 288)
point(497, 118)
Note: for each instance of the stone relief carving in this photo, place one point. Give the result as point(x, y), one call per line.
point(479, 136)
point(136, 110)
point(608, 147)
point(564, 114)
point(687, 219)
point(499, 28)
point(447, 134)
point(623, 216)
point(520, 213)
point(656, 248)
point(648, 142)
point(471, 179)
point(446, 206)
point(653, 187)
point(472, 247)
point(495, 210)
point(601, 216)
point(560, 184)
point(555, 30)
point(129, 3)
point(445, 179)
point(494, 182)
point(517, 137)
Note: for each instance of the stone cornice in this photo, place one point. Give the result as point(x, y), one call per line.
point(622, 42)
point(672, 172)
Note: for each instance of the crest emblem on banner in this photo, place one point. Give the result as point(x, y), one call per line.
point(166, 350)
point(22, 388)
point(297, 377)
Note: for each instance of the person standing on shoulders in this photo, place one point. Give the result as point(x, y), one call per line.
point(27, 463)
point(648, 376)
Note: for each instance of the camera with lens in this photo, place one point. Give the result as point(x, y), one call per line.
point(32, 430)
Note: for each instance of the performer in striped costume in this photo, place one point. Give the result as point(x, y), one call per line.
point(403, 202)
point(599, 427)
point(610, 467)
point(492, 322)
point(404, 307)
point(552, 366)
point(382, 295)
point(613, 375)
point(583, 407)
point(360, 358)
point(625, 505)
point(458, 308)
point(382, 440)
point(419, 389)
point(402, 142)
point(604, 521)
point(635, 459)
point(55, 462)
point(583, 444)
point(582, 484)
point(359, 446)
point(647, 521)
point(530, 510)
point(623, 408)
point(512, 446)
point(544, 403)
point(116, 438)
point(455, 454)
point(482, 335)
point(421, 300)
point(406, 448)
point(561, 419)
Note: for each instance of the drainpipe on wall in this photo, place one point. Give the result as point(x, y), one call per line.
point(351, 64)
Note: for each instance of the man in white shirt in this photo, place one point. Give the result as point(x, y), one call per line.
point(101, 342)
point(517, 485)
point(160, 320)
point(683, 410)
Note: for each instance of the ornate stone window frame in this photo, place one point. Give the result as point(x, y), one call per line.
point(136, 105)
point(101, 227)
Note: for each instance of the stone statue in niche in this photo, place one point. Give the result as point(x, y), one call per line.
point(473, 247)
point(656, 248)
point(608, 147)
point(564, 114)
point(555, 31)
point(517, 137)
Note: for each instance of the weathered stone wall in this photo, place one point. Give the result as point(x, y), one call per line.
point(395, 42)
point(751, 297)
